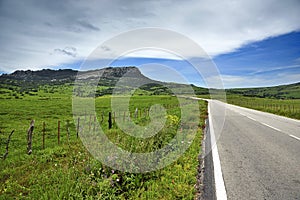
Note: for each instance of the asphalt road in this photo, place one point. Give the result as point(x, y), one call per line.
point(259, 153)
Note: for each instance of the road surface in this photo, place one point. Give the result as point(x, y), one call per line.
point(259, 153)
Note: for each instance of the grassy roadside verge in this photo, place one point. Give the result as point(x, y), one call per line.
point(284, 107)
point(287, 107)
point(68, 171)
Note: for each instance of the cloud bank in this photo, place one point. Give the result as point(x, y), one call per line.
point(36, 34)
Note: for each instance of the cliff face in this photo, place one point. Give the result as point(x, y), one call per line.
point(121, 71)
point(111, 73)
point(70, 75)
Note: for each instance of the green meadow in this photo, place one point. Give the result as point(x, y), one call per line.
point(67, 170)
point(280, 100)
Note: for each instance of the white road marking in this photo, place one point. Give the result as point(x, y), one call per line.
point(240, 113)
point(251, 118)
point(294, 137)
point(271, 127)
point(219, 181)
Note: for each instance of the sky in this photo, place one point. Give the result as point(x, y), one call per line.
point(252, 43)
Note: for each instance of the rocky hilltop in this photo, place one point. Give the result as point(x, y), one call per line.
point(106, 78)
point(63, 75)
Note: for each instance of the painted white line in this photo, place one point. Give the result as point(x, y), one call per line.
point(219, 181)
point(271, 127)
point(251, 118)
point(294, 137)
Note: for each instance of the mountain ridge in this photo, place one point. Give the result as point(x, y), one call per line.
point(110, 76)
point(70, 74)
point(107, 78)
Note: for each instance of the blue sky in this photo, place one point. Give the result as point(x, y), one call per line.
point(273, 61)
point(276, 52)
point(253, 43)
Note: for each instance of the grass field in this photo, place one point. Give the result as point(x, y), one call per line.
point(285, 107)
point(67, 170)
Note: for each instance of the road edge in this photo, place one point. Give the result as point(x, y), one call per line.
point(218, 176)
point(200, 186)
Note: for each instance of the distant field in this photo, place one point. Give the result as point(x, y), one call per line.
point(281, 100)
point(67, 170)
point(291, 91)
point(287, 107)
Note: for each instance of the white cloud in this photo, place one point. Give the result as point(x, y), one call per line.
point(231, 81)
point(32, 30)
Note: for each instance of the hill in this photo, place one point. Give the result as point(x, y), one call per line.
point(68, 75)
point(31, 81)
point(291, 91)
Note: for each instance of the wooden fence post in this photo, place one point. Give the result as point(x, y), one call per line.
point(109, 121)
point(29, 137)
point(58, 132)
point(44, 129)
point(114, 118)
point(78, 121)
point(7, 145)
